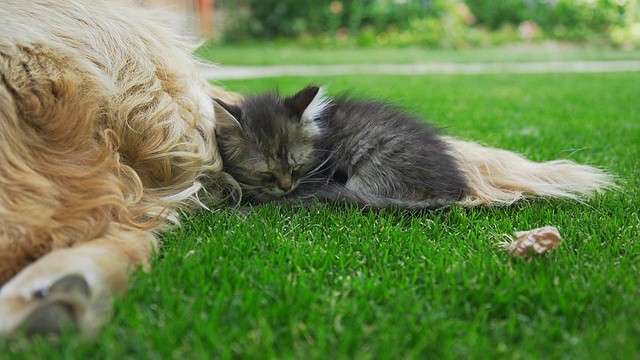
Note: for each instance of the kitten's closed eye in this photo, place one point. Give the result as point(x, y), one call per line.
point(268, 176)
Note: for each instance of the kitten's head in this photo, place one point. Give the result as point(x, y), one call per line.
point(268, 143)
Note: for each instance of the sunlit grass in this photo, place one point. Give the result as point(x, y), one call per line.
point(340, 283)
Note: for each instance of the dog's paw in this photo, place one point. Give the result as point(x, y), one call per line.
point(62, 305)
point(52, 318)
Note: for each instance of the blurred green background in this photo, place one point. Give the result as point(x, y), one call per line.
point(450, 24)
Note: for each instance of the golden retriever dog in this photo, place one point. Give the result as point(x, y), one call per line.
point(107, 129)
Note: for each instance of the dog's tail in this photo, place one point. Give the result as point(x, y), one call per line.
point(501, 177)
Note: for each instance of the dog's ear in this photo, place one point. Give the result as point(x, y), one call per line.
point(226, 115)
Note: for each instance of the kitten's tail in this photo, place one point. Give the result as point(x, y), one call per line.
point(501, 177)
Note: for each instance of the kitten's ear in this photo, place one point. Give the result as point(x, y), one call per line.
point(308, 104)
point(226, 115)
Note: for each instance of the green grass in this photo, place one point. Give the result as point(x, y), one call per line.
point(279, 54)
point(339, 283)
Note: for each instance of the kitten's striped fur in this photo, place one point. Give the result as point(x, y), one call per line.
point(377, 155)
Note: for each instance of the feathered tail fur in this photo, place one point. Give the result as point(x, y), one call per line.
point(501, 177)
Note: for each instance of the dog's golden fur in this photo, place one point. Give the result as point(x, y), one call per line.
point(106, 129)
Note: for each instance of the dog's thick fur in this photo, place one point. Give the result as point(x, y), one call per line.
point(106, 129)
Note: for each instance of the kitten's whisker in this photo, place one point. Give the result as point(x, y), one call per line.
point(250, 187)
point(318, 168)
point(314, 181)
point(324, 150)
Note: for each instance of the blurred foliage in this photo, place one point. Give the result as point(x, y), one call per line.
point(434, 23)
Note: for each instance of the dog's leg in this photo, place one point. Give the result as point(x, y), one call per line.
point(74, 286)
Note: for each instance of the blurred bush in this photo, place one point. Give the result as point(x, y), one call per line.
point(435, 23)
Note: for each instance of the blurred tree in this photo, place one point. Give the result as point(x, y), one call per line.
point(450, 22)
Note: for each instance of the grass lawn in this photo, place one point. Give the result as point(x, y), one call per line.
point(275, 54)
point(338, 283)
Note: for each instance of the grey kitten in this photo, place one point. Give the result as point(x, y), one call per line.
point(306, 146)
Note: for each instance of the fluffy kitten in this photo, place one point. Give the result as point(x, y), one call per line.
point(365, 152)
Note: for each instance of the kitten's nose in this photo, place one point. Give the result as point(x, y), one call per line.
point(284, 183)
